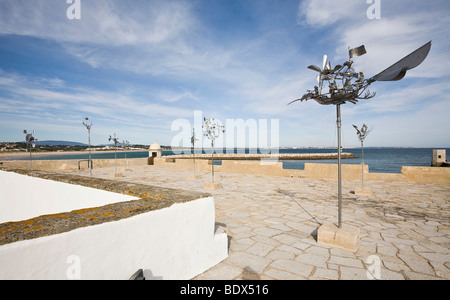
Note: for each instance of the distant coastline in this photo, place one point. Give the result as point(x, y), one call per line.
point(12, 154)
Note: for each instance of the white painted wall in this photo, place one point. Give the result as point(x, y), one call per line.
point(24, 197)
point(177, 242)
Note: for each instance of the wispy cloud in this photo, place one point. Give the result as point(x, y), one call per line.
point(103, 22)
point(161, 60)
point(319, 13)
point(34, 99)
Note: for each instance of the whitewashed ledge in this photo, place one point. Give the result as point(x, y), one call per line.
point(168, 233)
point(250, 156)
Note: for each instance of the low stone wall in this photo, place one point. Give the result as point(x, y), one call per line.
point(74, 164)
point(314, 170)
point(330, 171)
point(257, 156)
point(169, 233)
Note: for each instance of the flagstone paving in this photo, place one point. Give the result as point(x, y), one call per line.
point(272, 224)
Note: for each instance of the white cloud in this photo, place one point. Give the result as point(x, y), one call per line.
point(31, 97)
point(406, 113)
point(328, 12)
point(402, 28)
point(182, 65)
point(103, 22)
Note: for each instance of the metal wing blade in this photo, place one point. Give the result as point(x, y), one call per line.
point(314, 68)
point(301, 99)
point(398, 70)
point(325, 60)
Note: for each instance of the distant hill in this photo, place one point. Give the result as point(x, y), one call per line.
point(58, 143)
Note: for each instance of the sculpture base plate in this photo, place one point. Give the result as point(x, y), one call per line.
point(362, 191)
point(212, 185)
point(115, 175)
point(345, 237)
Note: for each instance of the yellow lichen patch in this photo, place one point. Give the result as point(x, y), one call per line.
point(36, 228)
point(91, 217)
point(6, 228)
point(107, 214)
point(84, 210)
point(29, 221)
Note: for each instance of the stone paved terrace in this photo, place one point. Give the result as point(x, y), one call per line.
point(272, 221)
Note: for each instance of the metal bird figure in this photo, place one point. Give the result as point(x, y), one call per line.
point(345, 84)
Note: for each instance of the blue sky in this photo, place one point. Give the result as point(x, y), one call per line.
point(135, 67)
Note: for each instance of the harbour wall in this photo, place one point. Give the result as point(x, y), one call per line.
point(313, 170)
point(437, 175)
point(75, 164)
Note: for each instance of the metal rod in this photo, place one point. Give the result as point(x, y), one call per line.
point(193, 139)
point(212, 159)
point(90, 160)
point(193, 153)
point(338, 112)
point(88, 127)
point(115, 158)
point(362, 158)
point(31, 159)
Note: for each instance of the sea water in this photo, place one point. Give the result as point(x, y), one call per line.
point(379, 160)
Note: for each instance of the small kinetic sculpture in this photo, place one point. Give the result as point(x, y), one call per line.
point(193, 140)
point(346, 84)
point(212, 130)
point(29, 139)
point(116, 141)
point(88, 127)
point(362, 134)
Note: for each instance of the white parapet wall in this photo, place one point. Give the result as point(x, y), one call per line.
point(176, 242)
point(23, 197)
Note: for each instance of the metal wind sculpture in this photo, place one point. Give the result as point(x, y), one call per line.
point(347, 85)
point(116, 141)
point(88, 127)
point(212, 131)
point(125, 145)
point(29, 138)
point(193, 140)
point(362, 134)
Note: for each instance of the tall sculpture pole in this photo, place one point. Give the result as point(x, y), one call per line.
point(125, 148)
point(29, 138)
point(212, 131)
point(88, 127)
point(338, 122)
point(193, 140)
point(362, 134)
point(347, 85)
point(116, 141)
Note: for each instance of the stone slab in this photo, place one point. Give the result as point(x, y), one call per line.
point(114, 175)
point(362, 191)
point(345, 237)
point(212, 185)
